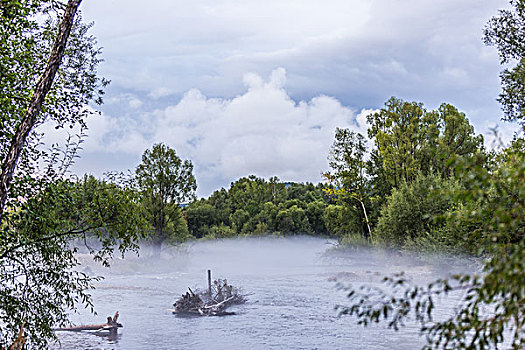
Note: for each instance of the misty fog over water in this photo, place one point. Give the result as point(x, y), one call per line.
point(292, 295)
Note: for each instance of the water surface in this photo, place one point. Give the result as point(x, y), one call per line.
point(291, 303)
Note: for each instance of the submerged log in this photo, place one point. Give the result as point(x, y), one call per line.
point(110, 325)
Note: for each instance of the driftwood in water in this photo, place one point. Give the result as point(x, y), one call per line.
point(213, 302)
point(110, 325)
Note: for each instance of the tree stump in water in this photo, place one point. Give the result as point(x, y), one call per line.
point(213, 302)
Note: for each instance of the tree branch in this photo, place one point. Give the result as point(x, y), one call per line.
point(43, 239)
point(42, 88)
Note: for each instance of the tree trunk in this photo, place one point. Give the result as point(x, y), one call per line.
point(20, 340)
point(41, 90)
point(156, 244)
point(366, 218)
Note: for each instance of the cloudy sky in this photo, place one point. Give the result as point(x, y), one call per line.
point(258, 87)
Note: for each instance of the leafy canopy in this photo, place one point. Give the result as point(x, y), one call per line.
point(165, 181)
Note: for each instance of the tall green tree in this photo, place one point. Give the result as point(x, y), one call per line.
point(349, 176)
point(165, 181)
point(455, 137)
point(409, 140)
point(45, 76)
point(48, 72)
point(399, 131)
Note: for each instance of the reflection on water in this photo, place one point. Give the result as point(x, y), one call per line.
point(292, 290)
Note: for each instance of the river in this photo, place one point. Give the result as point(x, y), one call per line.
point(292, 295)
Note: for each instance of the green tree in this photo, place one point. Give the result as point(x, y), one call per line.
point(201, 216)
point(238, 220)
point(266, 222)
point(409, 140)
point(221, 231)
point(48, 73)
point(221, 202)
point(506, 31)
point(410, 212)
point(250, 193)
point(455, 137)
point(293, 220)
point(304, 192)
point(165, 181)
point(400, 133)
point(340, 221)
point(315, 214)
point(349, 173)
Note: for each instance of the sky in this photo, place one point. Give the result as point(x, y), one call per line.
point(258, 87)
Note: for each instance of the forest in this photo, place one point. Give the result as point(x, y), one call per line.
point(420, 180)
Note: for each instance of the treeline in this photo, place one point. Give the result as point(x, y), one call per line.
point(407, 184)
point(251, 206)
point(257, 206)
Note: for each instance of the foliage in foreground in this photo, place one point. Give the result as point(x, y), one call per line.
point(506, 31)
point(48, 78)
point(37, 271)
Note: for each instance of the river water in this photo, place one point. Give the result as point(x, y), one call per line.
point(292, 295)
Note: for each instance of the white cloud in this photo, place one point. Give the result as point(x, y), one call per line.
point(114, 134)
point(135, 103)
point(160, 92)
point(262, 132)
point(128, 99)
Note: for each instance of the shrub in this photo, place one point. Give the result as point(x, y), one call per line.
point(411, 212)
